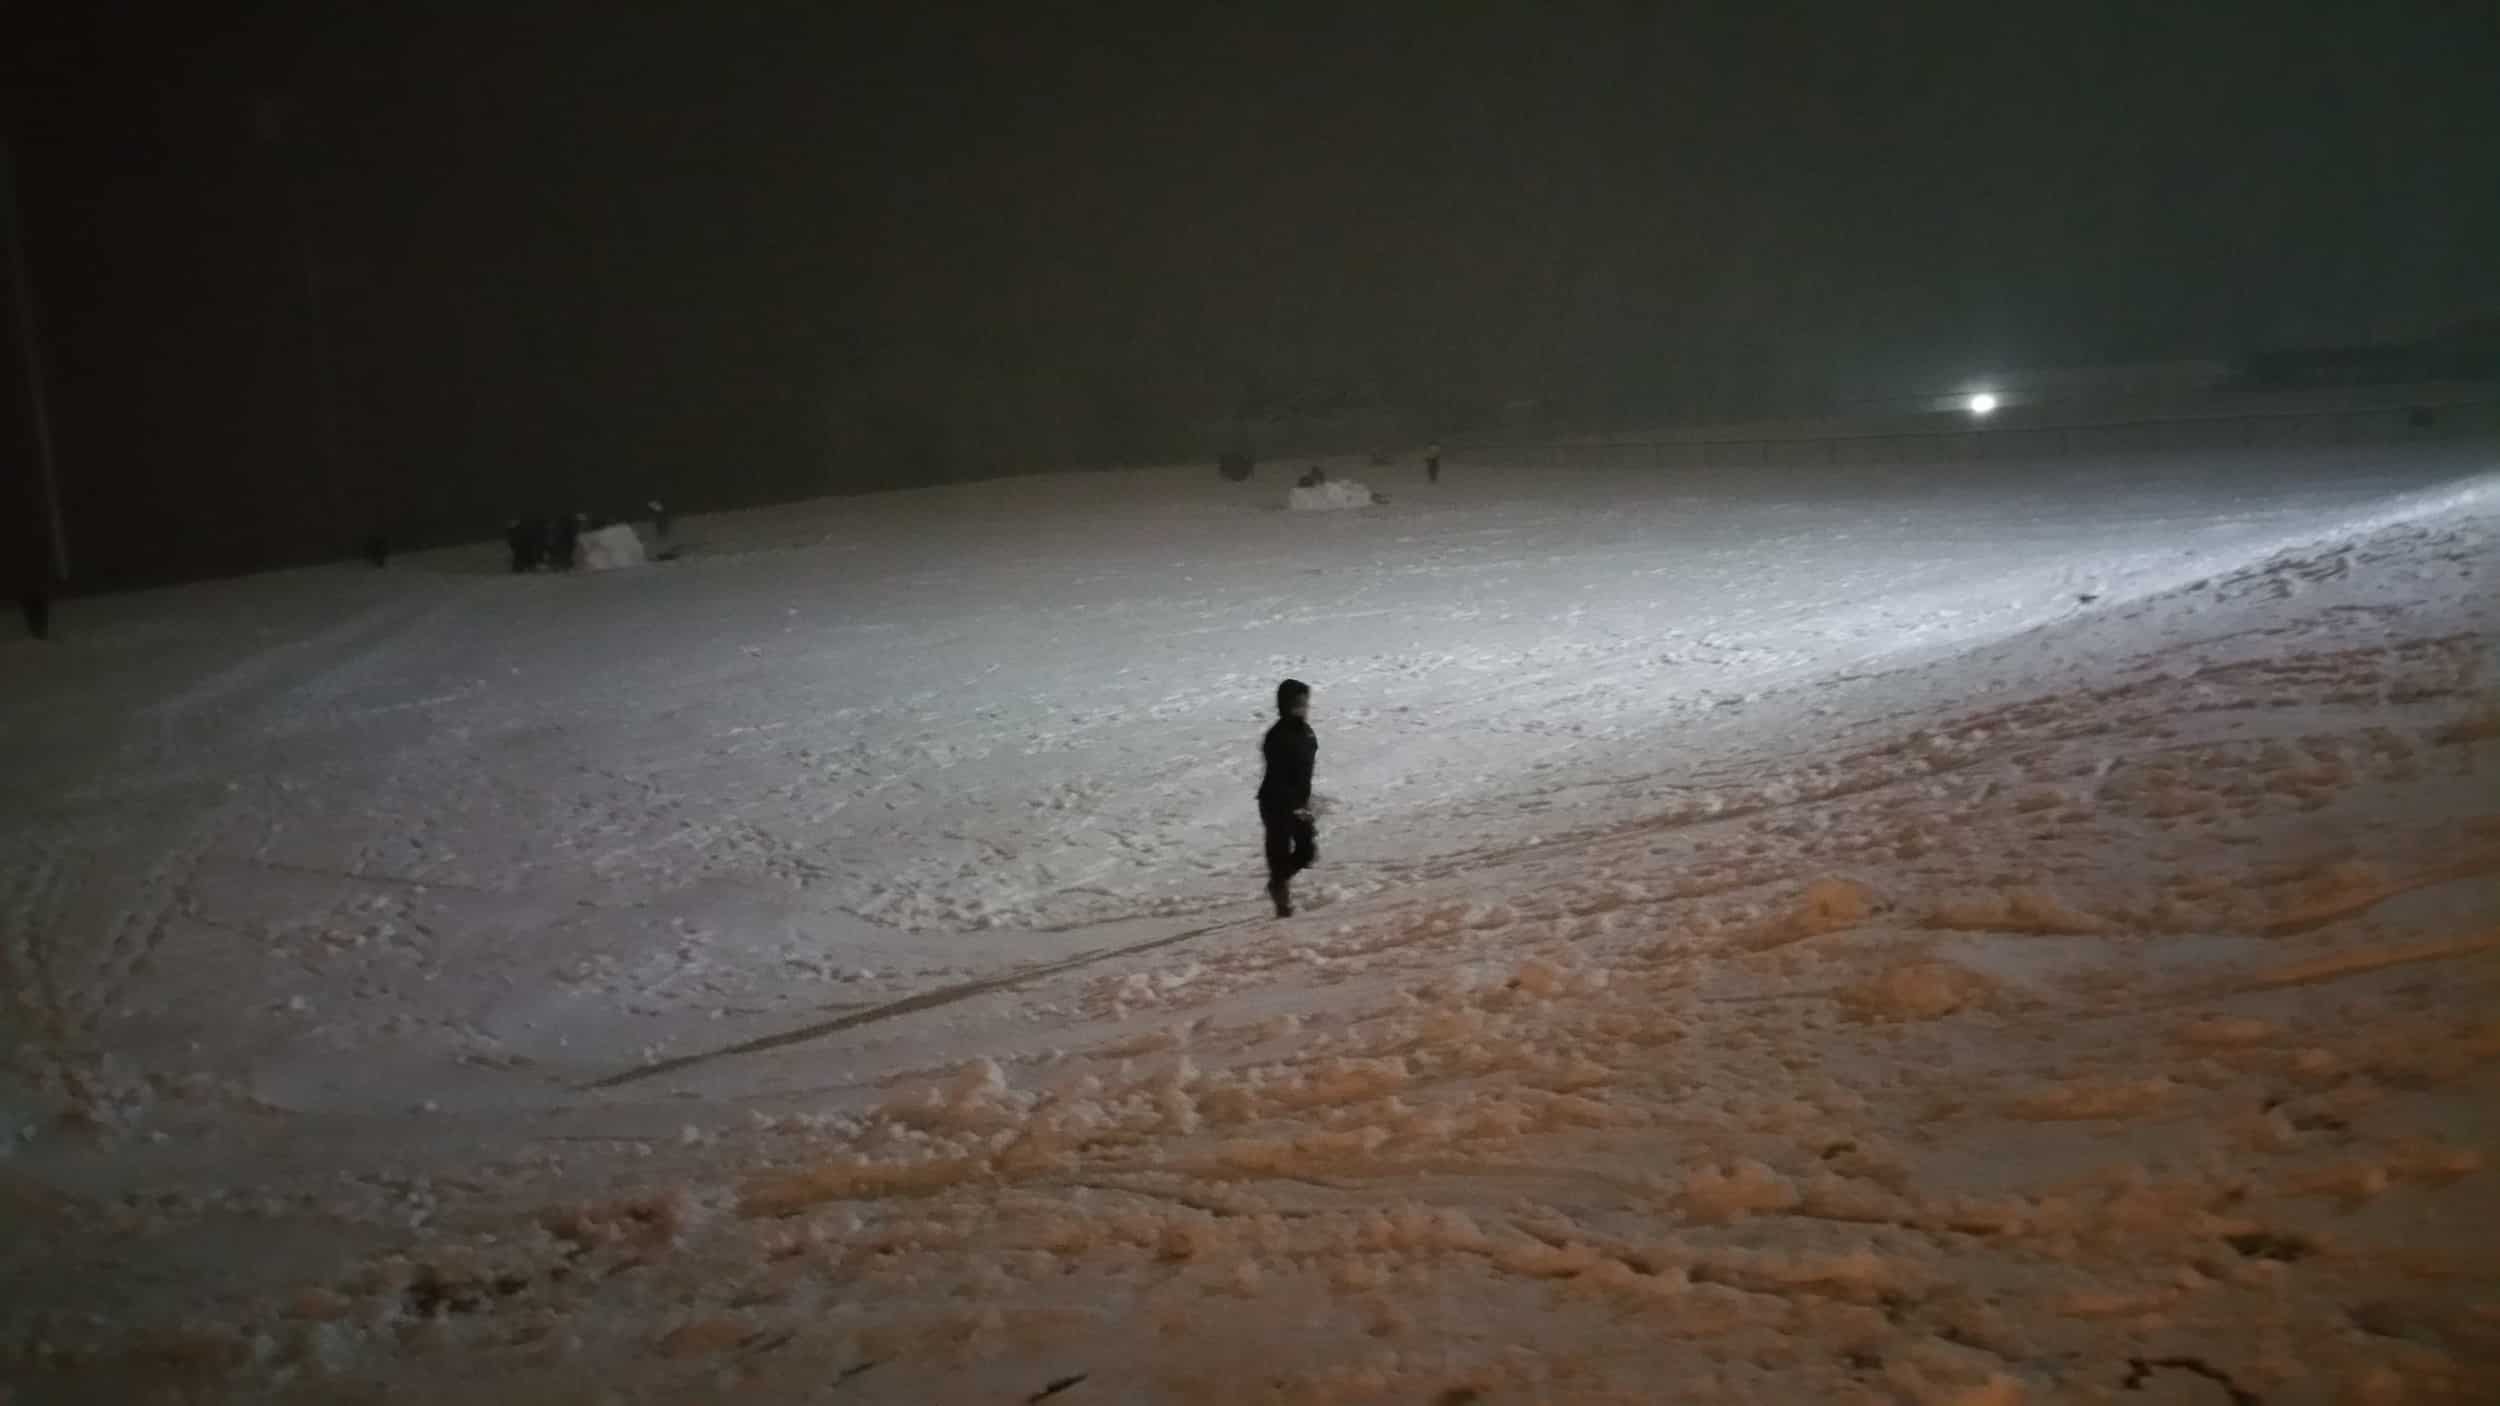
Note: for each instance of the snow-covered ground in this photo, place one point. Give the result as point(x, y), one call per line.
point(1984, 933)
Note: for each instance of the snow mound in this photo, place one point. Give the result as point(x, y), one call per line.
point(1828, 905)
point(1917, 991)
point(2024, 910)
point(610, 548)
point(1731, 1193)
point(1332, 496)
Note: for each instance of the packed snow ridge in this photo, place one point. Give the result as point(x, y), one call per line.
point(2005, 933)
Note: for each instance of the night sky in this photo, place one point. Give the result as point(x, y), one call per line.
point(309, 271)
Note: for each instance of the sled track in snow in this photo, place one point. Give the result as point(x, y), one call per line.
point(908, 1005)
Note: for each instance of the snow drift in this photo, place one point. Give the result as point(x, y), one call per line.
point(610, 548)
point(1332, 496)
point(1781, 944)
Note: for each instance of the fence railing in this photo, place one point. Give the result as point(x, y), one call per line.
point(2005, 436)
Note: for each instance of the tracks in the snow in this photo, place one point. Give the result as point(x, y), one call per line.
point(908, 1005)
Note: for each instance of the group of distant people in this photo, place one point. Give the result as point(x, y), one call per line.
point(545, 543)
point(554, 543)
point(1237, 466)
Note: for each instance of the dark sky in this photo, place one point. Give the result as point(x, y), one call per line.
point(307, 269)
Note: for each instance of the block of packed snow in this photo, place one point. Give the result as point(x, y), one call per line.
point(1335, 494)
point(609, 548)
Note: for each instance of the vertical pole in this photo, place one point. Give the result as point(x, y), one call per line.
point(30, 353)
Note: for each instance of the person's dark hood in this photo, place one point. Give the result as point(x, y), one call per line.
point(1290, 692)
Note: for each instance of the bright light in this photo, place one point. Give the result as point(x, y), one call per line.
point(1984, 403)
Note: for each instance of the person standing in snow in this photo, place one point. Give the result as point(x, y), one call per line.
point(526, 539)
point(565, 542)
point(1291, 748)
point(1432, 462)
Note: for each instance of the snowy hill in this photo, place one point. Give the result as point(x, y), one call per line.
point(2004, 933)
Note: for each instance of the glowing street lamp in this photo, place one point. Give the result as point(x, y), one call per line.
point(1983, 404)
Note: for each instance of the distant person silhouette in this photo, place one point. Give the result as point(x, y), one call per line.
point(526, 539)
point(1432, 463)
point(35, 599)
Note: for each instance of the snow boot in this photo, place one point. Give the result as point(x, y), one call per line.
point(1283, 897)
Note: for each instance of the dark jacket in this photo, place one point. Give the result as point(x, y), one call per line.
point(1291, 749)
